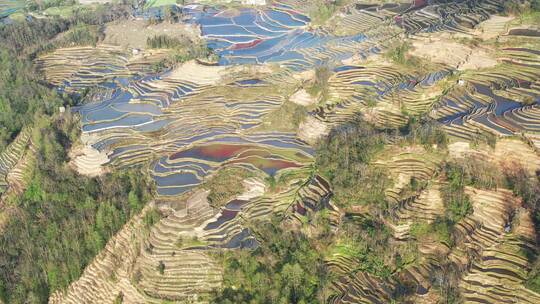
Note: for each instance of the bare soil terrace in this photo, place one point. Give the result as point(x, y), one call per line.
point(134, 33)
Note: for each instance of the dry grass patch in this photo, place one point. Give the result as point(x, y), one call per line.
point(444, 50)
point(134, 33)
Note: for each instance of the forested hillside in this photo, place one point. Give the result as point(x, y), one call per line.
point(54, 221)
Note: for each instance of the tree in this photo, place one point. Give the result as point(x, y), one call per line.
point(161, 267)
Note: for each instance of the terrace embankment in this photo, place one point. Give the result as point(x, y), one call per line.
point(196, 120)
point(87, 160)
point(110, 273)
point(144, 265)
point(16, 162)
point(494, 27)
point(498, 102)
point(504, 250)
point(446, 50)
point(13, 163)
point(387, 95)
point(77, 68)
point(173, 258)
point(507, 153)
point(490, 247)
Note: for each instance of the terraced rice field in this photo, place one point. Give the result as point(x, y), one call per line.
point(487, 251)
point(384, 90)
point(278, 34)
point(11, 161)
point(500, 101)
point(191, 122)
point(8, 7)
point(74, 69)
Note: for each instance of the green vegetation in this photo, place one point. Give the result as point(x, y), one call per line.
point(19, 81)
point(398, 53)
point(34, 5)
point(30, 38)
point(319, 86)
point(458, 174)
point(286, 118)
point(22, 99)
point(182, 50)
point(83, 34)
point(321, 11)
point(472, 171)
point(440, 229)
point(528, 187)
point(151, 217)
point(366, 241)
point(457, 202)
point(426, 133)
point(161, 267)
point(62, 220)
point(344, 158)
point(165, 42)
point(535, 5)
point(522, 9)
point(64, 11)
point(225, 185)
point(119, 298)
point(158, 3)
point(286, 268)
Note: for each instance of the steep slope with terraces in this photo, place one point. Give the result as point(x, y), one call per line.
point(284, 151)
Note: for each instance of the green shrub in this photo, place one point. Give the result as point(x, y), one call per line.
point(398, 53)
point(151, 217)
point(165, 42)
point(181, 50)
point(161, 267)
point(344, 158)
point(225, 185)
point(320, 86)
point(322, 10)
point(440, 229)
point(119, 298)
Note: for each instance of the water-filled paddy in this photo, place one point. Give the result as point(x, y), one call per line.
point(274, 34)
point(195, 143)
point(265, 155)
point(8, 7)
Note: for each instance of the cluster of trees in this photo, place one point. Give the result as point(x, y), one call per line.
point(33, 36)
point(63, 219)
point(285, 268)
point(320, 11)
point(319, 87)
point(22, 99)
point(182, 50)
point(225, 185)
point(520, 7)
point(344, 156)
point(43, 5)
point(399, 54)
point(344, 159)
point(165, 42)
